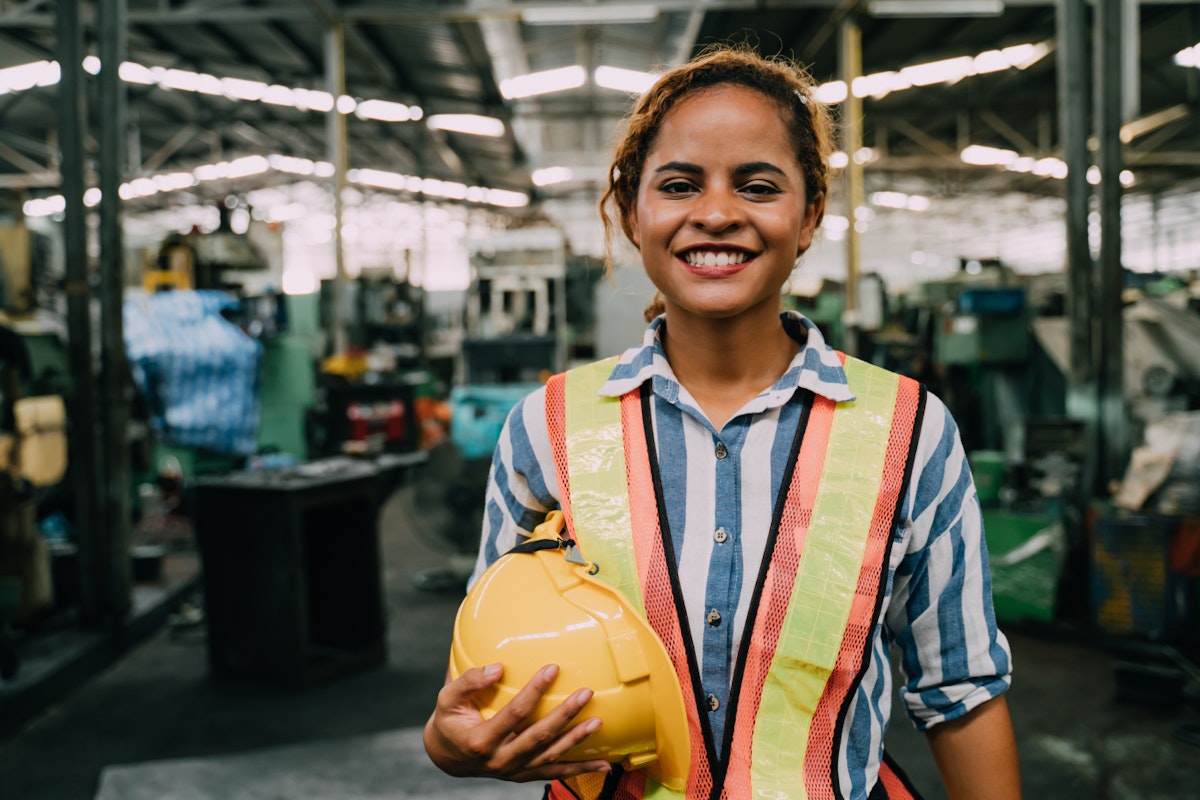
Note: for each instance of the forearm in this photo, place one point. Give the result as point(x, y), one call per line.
point(977, 754)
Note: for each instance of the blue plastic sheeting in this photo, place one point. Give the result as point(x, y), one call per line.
point(198, 372)
point(477, 414)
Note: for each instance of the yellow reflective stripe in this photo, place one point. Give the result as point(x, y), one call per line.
point(596, 464)
point(825, 583)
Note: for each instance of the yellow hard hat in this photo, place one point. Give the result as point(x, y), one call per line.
point(536, 605)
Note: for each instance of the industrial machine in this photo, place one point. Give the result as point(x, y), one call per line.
point(33, 455)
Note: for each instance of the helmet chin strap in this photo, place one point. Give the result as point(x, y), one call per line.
point(548, 536)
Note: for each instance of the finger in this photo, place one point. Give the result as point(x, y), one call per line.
point(558, 748)
point(561, 771)
point(551, 734)
point(515, 713)
point(459, 691)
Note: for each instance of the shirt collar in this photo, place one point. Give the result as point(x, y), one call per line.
point(816, 367)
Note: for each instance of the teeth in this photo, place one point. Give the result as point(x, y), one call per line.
point(710, 259)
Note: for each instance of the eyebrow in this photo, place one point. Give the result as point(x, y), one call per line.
point(741, 169)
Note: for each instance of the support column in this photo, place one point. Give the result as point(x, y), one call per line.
point(116, 384)
point(851, 68)
point(335, 74)
point(1110, 339)
point(1073, 101)
point(87, 523)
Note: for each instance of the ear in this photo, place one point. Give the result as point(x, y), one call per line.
point(631, 226)
point(813, 213)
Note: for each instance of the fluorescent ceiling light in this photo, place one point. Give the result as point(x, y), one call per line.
point(1189, 56)
point(137, 73)
point(950, 70)
point(467, 123)
point(545, 82)
point(831, 92)
point(384, 111)
point(900, 201)
point(291, 164)
point(47, 73)
point(982, 155)
point(582, 15)
point(27, 76)
point(624, 80)
point(936, 8)
point(254, 165)
point(551, 175)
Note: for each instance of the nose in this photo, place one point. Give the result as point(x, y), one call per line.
point(717, 210)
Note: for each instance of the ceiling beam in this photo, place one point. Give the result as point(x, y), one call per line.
point(19, 159)
point(389, 13)
point(28, 144)
point(160, 156)
point(1010, 134)
point(31, 180)
point(930, 143)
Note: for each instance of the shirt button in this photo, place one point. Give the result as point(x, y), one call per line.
point(713, 702)
point(722, 450)
point(720, 536)
point(714, 618)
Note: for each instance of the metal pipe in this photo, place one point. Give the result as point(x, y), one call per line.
point(115, 378)
point(1110, 339)
point(1074, 79)
point(88, 525)
point(851, 68)
point(335, 72)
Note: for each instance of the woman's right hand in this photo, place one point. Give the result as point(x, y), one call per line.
point(462, 743)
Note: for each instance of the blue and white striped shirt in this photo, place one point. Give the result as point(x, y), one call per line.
point(937, 608)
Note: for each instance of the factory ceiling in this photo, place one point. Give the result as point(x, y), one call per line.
point(213, 81)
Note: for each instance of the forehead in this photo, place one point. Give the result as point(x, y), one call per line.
point(720, 119)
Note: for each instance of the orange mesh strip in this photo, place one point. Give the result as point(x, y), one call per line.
point(656, 587)
point(897, 789)
point(777, 592)
point(819, 759)
point(643, 505)
point(631, 787)
point(556, 424)
point(559, 791)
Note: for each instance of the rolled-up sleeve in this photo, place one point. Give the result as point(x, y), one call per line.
point(522, 483)
point(953, 655)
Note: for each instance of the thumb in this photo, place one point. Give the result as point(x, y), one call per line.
point(476, 679)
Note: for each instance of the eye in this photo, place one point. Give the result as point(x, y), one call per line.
point(760, 189)
point(676, 186)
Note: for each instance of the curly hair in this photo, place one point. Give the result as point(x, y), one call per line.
point(787, 84)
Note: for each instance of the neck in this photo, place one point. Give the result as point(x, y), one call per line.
point(725, 363)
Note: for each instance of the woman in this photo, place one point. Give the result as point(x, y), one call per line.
point(812, 511)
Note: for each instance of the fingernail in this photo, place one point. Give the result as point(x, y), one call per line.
point(582, 696)
point(591, 725)
point(492, 671)
point(548, 672)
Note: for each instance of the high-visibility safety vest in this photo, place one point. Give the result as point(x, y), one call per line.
point(810, 621)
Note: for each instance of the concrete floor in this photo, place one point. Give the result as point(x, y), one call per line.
point(156, 726)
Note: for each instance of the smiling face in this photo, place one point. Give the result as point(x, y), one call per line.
point(721, 213)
